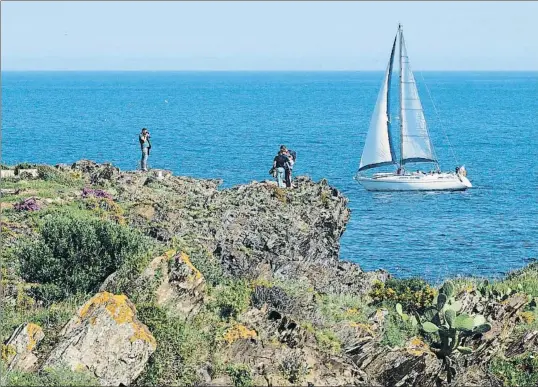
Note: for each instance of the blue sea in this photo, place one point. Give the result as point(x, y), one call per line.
point(229, 125)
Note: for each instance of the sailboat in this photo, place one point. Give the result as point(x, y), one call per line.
point(415, 143)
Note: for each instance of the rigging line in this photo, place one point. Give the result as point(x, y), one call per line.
point(439, 119)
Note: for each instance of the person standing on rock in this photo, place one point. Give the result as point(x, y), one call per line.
point(145, 146)
point(280, 164)
point(291, 155)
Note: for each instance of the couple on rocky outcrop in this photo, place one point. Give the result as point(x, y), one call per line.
point(283, 166)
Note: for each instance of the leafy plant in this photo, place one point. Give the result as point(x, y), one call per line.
point(232, 298)
point(75, 253)
point(412, 293)
point(518, 371)
point(53, 377)
point(451, 326)
point(274, 296)
point(240, 374)
point(399, 329)
point(293, 367)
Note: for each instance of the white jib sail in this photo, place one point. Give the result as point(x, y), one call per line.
point(416, 144)
point(377, 147)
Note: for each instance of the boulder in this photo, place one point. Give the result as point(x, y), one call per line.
point(106, 339)
point(17, 353)
point(180, 286)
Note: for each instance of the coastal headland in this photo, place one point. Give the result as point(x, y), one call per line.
point(114, 277)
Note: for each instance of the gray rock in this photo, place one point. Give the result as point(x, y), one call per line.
point(18, 351)
point(106, 339)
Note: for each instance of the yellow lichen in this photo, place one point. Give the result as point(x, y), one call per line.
point(417, 347)
point(170, 253)
point(527, 317)
point(237, 332)
point(142, 333)
point(363, 327)
point(121, 311)
point(33, 330)
point(116, 305)
point(8, 351)
point(185, 258)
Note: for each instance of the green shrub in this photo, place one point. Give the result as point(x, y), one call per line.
point(51, 174)
point(75, 253)
point(294, 368)
point(240, 374)
point(182, 347)
point(208, 265)
point(231, 298)
point(53, 377)
point(518, 371)
point(335, 308)
point(524, 280)
point(397, 331)
point(412, 293)
point(328, 341)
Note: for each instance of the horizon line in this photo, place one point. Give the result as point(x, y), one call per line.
point(256, 71)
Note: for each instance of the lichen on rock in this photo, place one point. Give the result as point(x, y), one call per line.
point(107, 339)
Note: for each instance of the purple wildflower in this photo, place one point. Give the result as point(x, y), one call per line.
point(98, 193)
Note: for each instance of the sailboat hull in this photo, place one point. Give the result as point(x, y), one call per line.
point(415, 182)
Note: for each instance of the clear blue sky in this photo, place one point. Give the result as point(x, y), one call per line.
point(266, 35)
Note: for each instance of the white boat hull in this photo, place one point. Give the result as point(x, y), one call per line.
point(415, 182)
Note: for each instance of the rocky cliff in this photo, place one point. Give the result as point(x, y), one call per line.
point(181, 282)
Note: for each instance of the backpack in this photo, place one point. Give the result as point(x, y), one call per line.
point(293, 155)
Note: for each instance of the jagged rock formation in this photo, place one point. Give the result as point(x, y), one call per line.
point(261, 234)
point(18, 353)
point(106, 339)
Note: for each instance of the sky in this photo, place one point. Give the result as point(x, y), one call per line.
point(107, 35)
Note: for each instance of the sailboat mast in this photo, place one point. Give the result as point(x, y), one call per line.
point(401, 99)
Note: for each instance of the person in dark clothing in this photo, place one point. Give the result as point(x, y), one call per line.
point(291, 155)
point(145, 146)
point(280, 164)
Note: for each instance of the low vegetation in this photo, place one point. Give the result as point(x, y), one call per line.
point(58, 252)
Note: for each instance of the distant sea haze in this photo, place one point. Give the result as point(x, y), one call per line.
point(229, 125)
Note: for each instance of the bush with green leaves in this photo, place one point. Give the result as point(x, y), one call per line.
point(517, 371)
point(74, 253)
point(182, 346)
point(240, 374)
point(411, 293)
point(294, 368)
point(231, 298)
point(398, 329)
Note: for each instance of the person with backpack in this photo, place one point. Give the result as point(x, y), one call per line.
point(292, 156)
point(280, 165)
point(145, 146)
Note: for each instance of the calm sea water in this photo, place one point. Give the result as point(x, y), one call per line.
point(229, 125)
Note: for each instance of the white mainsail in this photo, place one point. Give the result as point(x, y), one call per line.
point(415, 140)
point(415, 143)
point(378, 148)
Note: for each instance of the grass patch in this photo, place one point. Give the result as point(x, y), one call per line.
point(515, 372)
point(524, 280)
point(182, 347)
point(54, 377)
point(345, 307)
point(231, 298)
